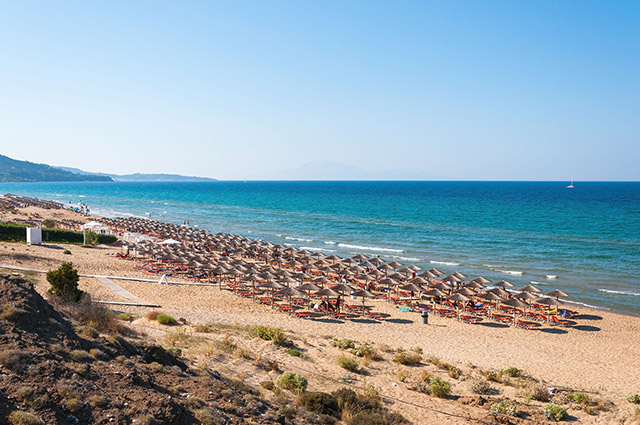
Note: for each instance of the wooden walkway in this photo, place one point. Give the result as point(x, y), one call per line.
point(135, 301)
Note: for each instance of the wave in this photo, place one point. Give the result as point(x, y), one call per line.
point(444, 263)
point(492, 266)
point(535, 282)
point(398, 257)
point(595, 307)
point(369, 248)
point(612, 291)
point(512, 272)
point(279, 235)
point(291, 238)
point(330, 242)
point(315, 249)
point(551, 276)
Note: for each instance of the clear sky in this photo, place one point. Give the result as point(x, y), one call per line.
point(507, 90)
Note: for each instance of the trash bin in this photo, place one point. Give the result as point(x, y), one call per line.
point(425, 317)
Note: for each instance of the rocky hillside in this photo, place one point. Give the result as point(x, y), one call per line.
point(55, 372)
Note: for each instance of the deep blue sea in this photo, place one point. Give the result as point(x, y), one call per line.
point(585, 241)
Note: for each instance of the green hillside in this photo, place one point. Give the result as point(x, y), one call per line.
point(12, 170)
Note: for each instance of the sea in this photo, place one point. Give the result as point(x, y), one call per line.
point(584, 241)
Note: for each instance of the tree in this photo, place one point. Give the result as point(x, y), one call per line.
point(49, 223)
point(64, 283)
point(90, 238)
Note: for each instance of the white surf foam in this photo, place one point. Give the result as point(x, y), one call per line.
point(398, 257)
point(551, 276)
point(613, 291)
point(491, 266)
point(315, 249)
point(291, 238)
point(512, 272)
point(535, 282)
point(330, 242)
point(279, 235)
point(444, 263)
point(368, 248)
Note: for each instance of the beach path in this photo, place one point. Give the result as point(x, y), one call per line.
point(135, 301)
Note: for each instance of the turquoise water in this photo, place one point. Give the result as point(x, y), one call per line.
point(585, 241)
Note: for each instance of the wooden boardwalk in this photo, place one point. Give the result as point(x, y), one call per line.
point(135, 301)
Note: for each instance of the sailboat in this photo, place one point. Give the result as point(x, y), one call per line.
point(571, 185)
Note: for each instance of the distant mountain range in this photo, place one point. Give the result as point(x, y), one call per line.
point(13, 170)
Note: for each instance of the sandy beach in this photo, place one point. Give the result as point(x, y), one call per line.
point(598, 355)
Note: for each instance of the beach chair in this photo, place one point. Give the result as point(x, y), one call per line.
point(557, 322)
point(445, 313)
point(470, 319)
point(527, 325)
point(501, 318)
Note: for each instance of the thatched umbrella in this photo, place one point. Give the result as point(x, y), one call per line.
point(271, 285)
point(504, 284)
point(514, 302)
point(530, 288)
point(436, 272)
point(364, 294)
point(557, 293)
point(481, 280)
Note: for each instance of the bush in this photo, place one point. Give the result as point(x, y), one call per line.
point(125, 317)
point(344, 344)
point(348, 363)
point(480, 386)
point(152, 315)
point(24, 418)
point(513, 372)
point(12, 359)
point(49, 223)
point(66, 252)
point(318, 402)
point(580, 398)
point(294, 352)
point(555, 412)
point(292, 381)
point(175, 351)
point(407, 358)
point(165, 319)
point(439, 388)
point(454, 372)
point(537, 392)
point(64, 283)
point(506, 407)
point(90, 238)
point(270, 334)
point(634, 398)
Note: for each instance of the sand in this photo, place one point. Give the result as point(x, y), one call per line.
point(597, 355)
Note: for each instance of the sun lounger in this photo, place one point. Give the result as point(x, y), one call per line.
point(501, 318)
point(470, 319)
point(527, 325)
point(445, 313)
point(555, 321)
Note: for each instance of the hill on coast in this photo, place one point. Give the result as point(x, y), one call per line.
point(141, 177)
point(12, 170)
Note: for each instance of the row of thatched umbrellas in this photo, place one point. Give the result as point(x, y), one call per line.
point(277, 267)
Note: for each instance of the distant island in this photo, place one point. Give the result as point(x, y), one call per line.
point(13, 170)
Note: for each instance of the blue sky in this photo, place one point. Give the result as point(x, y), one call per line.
point(506, 90)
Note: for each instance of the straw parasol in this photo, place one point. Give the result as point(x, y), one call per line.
point(557, 293)
point(364, 294)
point(529, 288)
point(503, 284)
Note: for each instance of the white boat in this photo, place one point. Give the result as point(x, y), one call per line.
point(571, 185)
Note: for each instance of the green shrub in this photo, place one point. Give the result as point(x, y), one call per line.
point(175, 351)
point(454, 372)
point(267, 385)
point(347, 362)
point(270, 334)
point(18, 417)
point(64, 283)
point(439, 388)
point(634, 398)
point(407, 358)
point(506, 407)
point(80, 356)
point(125, 317)
point(294, 352)
point(555, 412)
point(292, 381)
point(491, 375)
point(344, 344)
point(513, 372)
point(580, 398)
point(321, 403)
point(367, 351)
point(165, 319)
point(66, 252)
